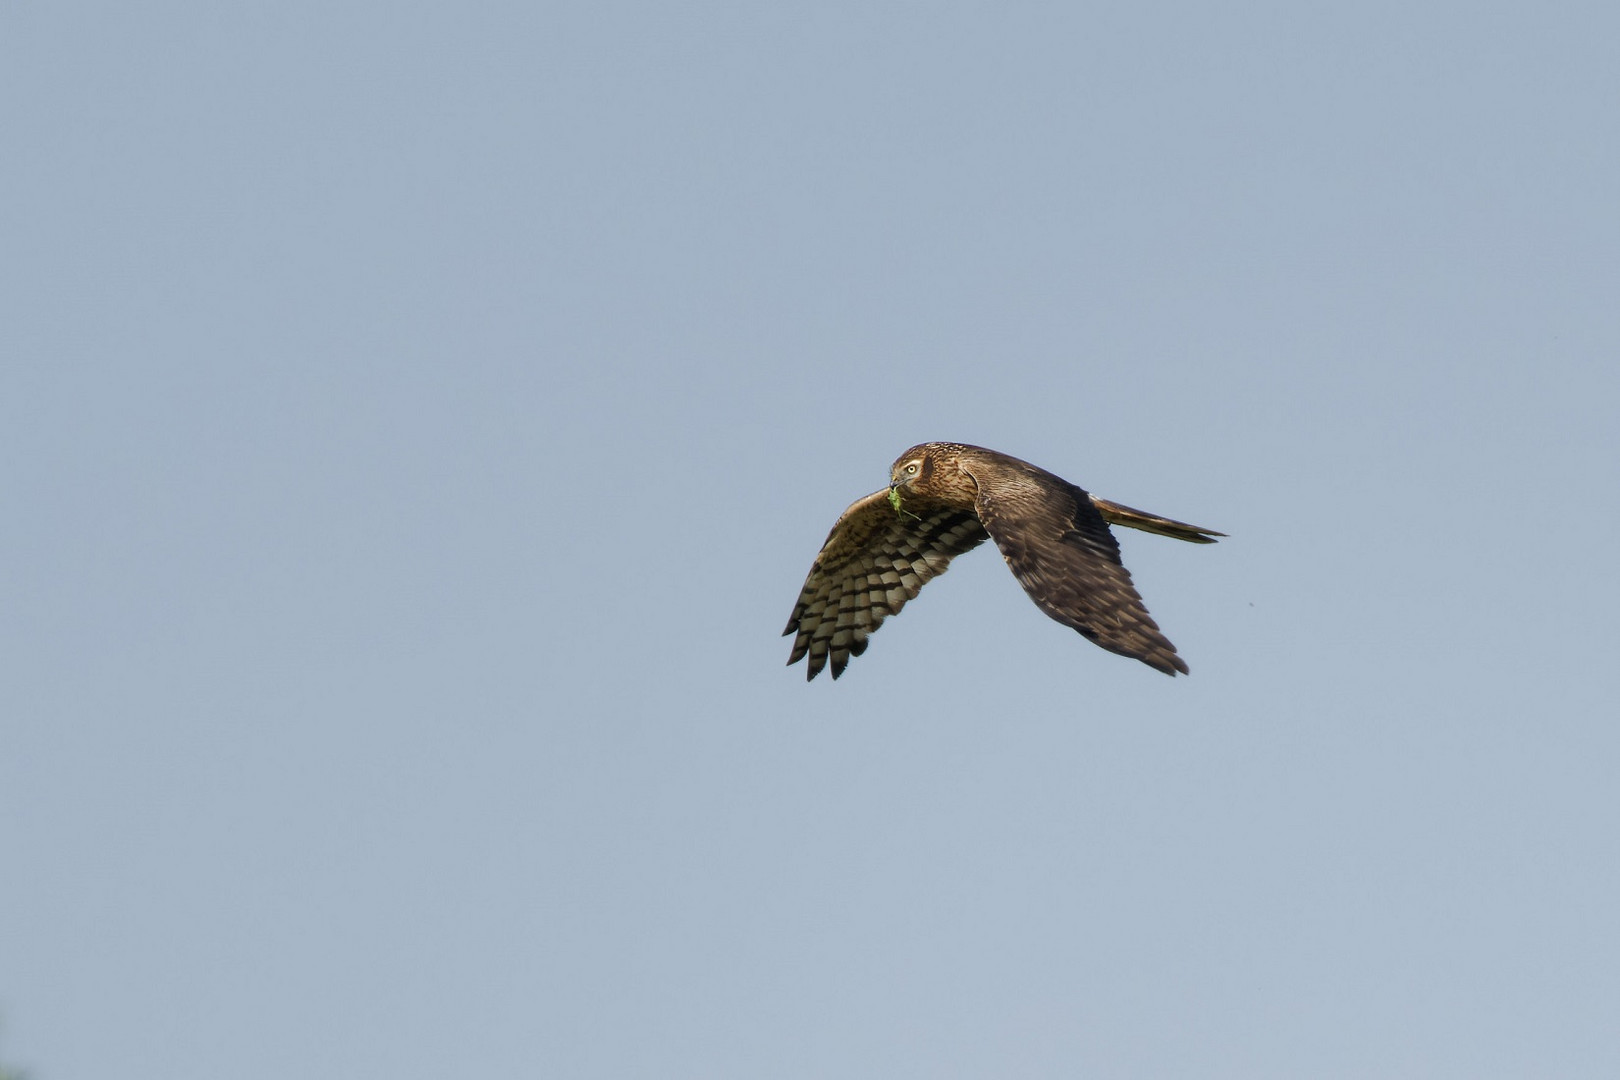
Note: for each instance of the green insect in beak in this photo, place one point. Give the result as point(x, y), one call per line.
point(894, 501)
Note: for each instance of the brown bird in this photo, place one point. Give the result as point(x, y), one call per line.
point(946, 498)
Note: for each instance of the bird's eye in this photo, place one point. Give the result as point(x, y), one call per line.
point(911, 469)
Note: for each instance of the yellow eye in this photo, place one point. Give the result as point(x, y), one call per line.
point(912, 468)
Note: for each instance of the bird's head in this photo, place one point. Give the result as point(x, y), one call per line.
point(933, 473)
point(909, 468)
point(904, 474)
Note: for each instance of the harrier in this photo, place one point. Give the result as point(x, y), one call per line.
point(946, 498)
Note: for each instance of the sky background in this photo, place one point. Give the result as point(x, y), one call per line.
point(417, 421)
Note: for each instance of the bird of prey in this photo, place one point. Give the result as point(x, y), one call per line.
point(946, 498)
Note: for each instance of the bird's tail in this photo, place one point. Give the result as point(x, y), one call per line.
point(1115, 514)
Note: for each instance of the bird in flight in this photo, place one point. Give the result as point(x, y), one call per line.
point(947, 498)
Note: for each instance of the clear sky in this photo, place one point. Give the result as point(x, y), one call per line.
point(418, 421)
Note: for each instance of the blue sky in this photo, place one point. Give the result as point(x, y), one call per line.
point(418, 421)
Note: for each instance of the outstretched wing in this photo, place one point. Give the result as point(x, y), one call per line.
point(875, 559)
point(1058, 545)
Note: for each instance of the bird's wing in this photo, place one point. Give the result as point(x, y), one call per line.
point(875, 559)
point(1059, 547)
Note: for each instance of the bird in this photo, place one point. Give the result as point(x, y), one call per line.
point(945, 499)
